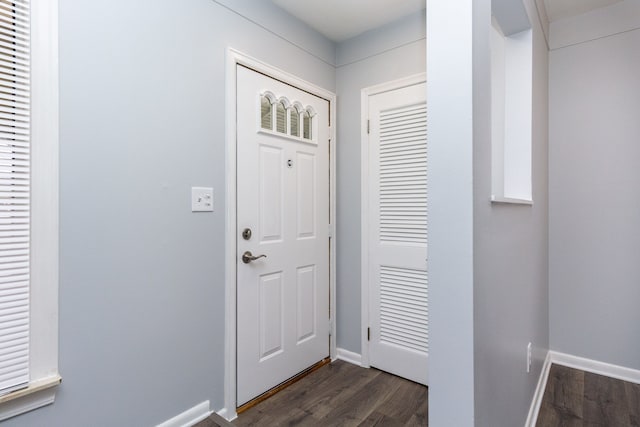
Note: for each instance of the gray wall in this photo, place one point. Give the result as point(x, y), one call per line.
point(142, 101)
point(595, 199)
point(142, 278)
point(510, 253)
point(389, 53)
point(488, 263)
point(282, 24)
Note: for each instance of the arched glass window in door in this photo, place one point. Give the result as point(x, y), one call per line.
point(295, 111)
point(307, 124)
point(281, 116)
point(266, 110)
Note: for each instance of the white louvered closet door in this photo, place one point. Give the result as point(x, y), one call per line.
point(14, 194)
point(399, 339)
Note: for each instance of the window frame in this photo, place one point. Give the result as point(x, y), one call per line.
point(44, 252)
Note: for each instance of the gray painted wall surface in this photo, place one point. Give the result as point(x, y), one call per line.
point(510, 253)
point(512, 16)
point(142, 278)
point(595, 199)
point(142, 110)
point(405, 31)
point(284, 25)
point(378, 68)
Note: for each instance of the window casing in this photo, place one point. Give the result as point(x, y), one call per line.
point(43, 375)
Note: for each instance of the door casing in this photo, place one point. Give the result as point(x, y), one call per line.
point(364, 200)
point(235, 58)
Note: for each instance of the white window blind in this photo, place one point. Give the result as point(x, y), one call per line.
point(14, 193)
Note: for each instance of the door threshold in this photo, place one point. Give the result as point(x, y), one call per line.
point(267, 394)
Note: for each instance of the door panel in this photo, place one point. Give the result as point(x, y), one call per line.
point(283, 197)
point(398, 305)
point(271, 192)
point(270, 321)
point(306, 302)
point(306, 194)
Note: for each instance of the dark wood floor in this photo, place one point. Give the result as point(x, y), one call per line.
point(577, 398)
point(214, 420)
point(341, 394)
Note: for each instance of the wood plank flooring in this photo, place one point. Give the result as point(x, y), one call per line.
point(575, 398)
point(341, 394)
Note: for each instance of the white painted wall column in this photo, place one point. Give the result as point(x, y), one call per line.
point(450, 211)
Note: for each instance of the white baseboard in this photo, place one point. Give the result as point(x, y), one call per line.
point(596, 367)
point(576, 362)
point(227, 414)
point(532, 417)
point(189, 417)
point(349, 356)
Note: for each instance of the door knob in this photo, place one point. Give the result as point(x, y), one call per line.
point(247, 257)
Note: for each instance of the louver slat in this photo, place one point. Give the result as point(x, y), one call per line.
point(403, 175)
point(14, 194)
point(404, 308)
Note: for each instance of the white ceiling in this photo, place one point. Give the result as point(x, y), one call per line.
point(340, 20)
point(560, 9)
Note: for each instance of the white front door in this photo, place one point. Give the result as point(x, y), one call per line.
point(397, 250)
point(283, 214)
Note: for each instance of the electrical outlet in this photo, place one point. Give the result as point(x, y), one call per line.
point(528, 358)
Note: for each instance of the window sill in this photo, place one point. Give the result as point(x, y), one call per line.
point(39, 393)
point(509, 200)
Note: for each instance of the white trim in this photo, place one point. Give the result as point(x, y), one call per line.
point(349, 356)
point(411, 80)
point(364, 200)
point(510, 200)
point(235, 58)
point(596, 367)
point(229, 409)
point(540, 10)
point(364, 226)
point(532, 417)
point(39, 394)
point(44, 189)
point(43, 341)
point(576, 362)
point(223, 413)
point(189, 417)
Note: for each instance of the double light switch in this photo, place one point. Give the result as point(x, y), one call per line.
point(201, 199)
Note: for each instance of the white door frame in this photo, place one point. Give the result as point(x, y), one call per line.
point(235, 58)
point(364, 200)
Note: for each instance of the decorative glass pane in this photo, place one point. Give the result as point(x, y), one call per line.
point(265, 113)
point(281, 118)
point(295, 122)
point(306, 125)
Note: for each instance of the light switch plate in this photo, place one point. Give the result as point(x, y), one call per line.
point(201, 199)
